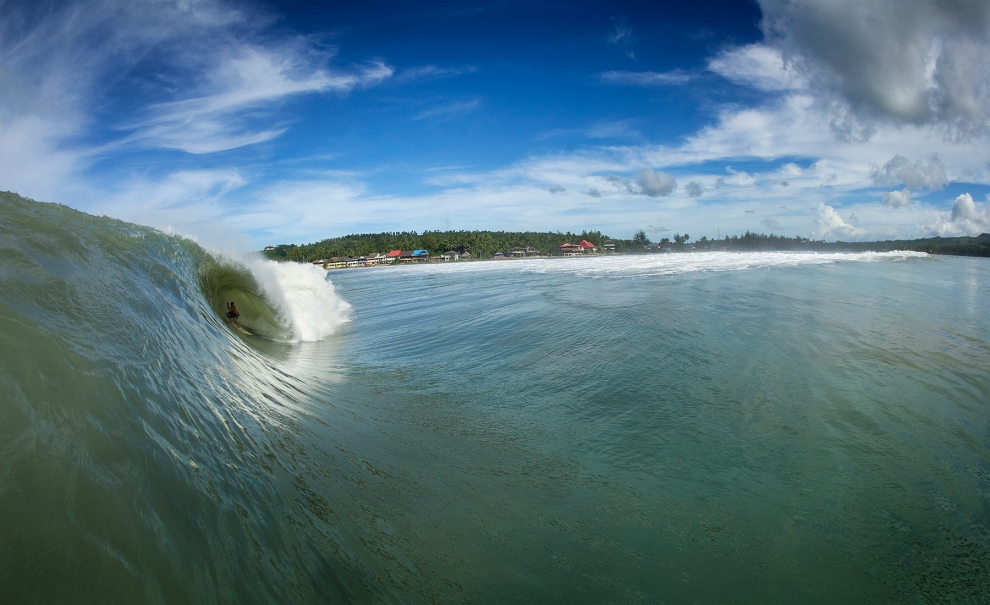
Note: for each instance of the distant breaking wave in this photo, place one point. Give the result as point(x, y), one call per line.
point(644, 265)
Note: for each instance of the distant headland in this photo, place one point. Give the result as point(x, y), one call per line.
point(445, 246)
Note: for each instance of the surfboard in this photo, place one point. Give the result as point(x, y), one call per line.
point(238, 327)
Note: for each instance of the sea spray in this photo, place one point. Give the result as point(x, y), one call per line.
point(305, 297)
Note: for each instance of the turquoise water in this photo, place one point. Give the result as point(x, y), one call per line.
point(696, 427)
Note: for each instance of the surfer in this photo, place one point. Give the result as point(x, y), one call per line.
point(232, 313)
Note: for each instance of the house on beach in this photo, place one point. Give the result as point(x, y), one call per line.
point(520, 252)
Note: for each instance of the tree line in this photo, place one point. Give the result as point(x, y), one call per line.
point(480, 244)
point(959, 246)
point(484, 244)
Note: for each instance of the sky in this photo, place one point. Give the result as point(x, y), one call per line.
point(290, 122)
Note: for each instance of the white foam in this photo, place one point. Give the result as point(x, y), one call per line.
point(306, 299)
point(636, 265)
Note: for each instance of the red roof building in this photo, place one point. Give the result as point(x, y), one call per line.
point(587, 246)
point(395, 254)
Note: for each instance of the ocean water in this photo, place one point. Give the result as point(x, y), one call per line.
point(673, 428)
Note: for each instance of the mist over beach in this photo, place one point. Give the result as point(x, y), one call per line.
point(731, 344)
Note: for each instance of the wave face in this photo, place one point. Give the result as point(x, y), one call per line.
point(680, 428)
point(136, 454)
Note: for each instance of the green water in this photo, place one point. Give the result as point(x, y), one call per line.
point(677, 428)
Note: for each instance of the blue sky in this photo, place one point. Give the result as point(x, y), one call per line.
point(275, 122)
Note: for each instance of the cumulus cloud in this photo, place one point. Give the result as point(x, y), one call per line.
point(656, 184)
point(694, 189)
point(831, 226)
point(967, 217)
point(770, 223)
point(919, 62)
point(965, 210)
point(897, 199)
point(916, 174)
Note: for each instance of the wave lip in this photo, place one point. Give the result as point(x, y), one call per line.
point(306, 300)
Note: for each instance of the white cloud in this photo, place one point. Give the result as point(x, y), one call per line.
point(193, 203)
point(897, 199)
point(252, 78)
point(32, 161)
point(656, 184)
point(756, 65)
point(967, 217)
point(831, 226)
point(226, 62)
point(916, 175)
point(966, 211)
point(646, 78)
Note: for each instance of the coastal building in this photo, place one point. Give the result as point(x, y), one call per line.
point(394, 254)
point(413, 256)
point(337, 262)
point(374, 259)
point(587, 247)
point(569, 249)
point(269, 248)
point(519, 252)
point(609, 247)
point(450, 255)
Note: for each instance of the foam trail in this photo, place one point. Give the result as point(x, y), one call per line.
point(307, 301)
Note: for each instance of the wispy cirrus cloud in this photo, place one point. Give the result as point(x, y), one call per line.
point(756, 65)
point(255, 77)
point(199, 76)
point(446, 111)
point(647, 78)
point(622, 36)
point(428, 73)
